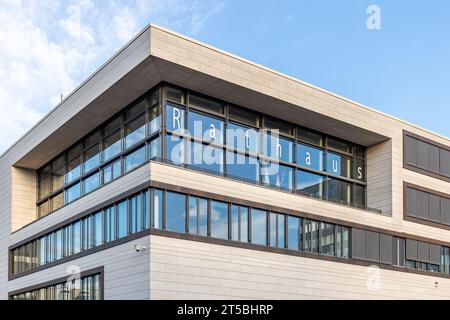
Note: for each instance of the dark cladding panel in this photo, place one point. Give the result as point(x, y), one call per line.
point(358, 244)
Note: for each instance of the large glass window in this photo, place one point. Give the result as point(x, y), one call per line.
point(242, 138)
point(98, 228)
point(205, 128)
point(219, 220)
point(239, 223)
point(73, 192)
point(92, 182)
point(136, 213)
point(309, 157)
point(175, 149)
point(277, 227)
point(205, 103)
point(278, 147)
point(157, 211)
point(339, 191)
point(92, 158)
point(58, 172)
point(198, 216)
point(111, 145)
point(135, 159)
point(311, 236)
point(294, 233)
point(175, 212)
point(242, 167)
point(276, 175)
point(76, 237)
point(110, 224)
point(175, 118)
point(259, 227)
point(112, 171)
point(134, 131)
point(74, 164)
point(122, 219)
point(206, 157)
point(309, 184)
point(338, 165)
point(327, 241)
point(155, 120)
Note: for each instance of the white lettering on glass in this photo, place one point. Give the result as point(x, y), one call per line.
point(335, 166)
point(176, 119)
point(247, 140)
point(212, 132)
point(360, 175)
point(308, 159)
point(279, 150)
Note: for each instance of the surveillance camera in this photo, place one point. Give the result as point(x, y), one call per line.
point(139, 248)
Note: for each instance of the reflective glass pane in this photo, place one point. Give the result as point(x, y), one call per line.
point(135, 159)
point(111, 172)
point(157, 212)
point(175, 118)
point(175, 211)
point(276, 175)
point(73, 192)
point(155, 148)
point(122, 216)
point(206, 157)
point(309, 157)
point(205, 128)
point(309, 184)
point(205, 103)
point(243, 115)
point(294, 233)
point(242, 138)
point(76, 231)
point(259, 226)
point(219, 220)
point(134, 131)
point(198, 216)
point(154, 120)
point(92, 158)
point(327, 241)
point(98, 229)
point(242, 167)
point(57, 201)
point(175, 149)
point(309, 136)
point(338, 165)
point(359, 170)
point(176, 95)
point(339, 191)
point(92, 182)
point(111, 146)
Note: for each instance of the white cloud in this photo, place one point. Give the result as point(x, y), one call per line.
point(48, 47)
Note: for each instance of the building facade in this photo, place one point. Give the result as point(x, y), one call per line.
point(179, 171)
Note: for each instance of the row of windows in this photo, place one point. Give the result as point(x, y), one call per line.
point(427, 156)
point(184, 213)
point(115, 137)
point(85, 288)
point(275, 175)
point(115, 148)
point(262, 143)
point(427, 206)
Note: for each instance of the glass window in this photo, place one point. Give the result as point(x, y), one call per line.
point(345, 242)
point(122, 216)
point(259, 226)
point(278, 148)
point(198, 216)
point(92, 158)
point(206, 157)
point(219, 220)
point(309, 157)
point(74, 164)
point(98, 228)
point(67, 231)
point(135, 159)
point(242, 167)
point(134, 131)
point(42, 252)
point(338, 165)
point(58, 245)
point(175, 95)
point(175, 118)
point(44, 182)
point(157, 214)
point(111, 146)
point(360, 152)
point(137, 109)
point(276, 175)
point(147, 209)
point(294, 233)
point(73, 192)
point(57, 201)
point(58, 172)
point(309, 184)
point(112, 171)
point(243, 115)
point(339, 191)
point(309, 136)
point(110, 226)
point(339, 145)
point(239, 223)
point(205, 103)
point(43, 209)
point(175, 212)
point(360, 196)
point(113, 125)
point(92, 182)
point(86, 233)
point(276, 230)
point(327, 242)
point(205, 128)
point(155, 148)
point(311, 236)
point(175, 147)
point(154, 120)
point(136, 214)
point(242, 138)
point(280, 125)
point(76, 229)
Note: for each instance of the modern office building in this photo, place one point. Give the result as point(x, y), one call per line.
point(179, 171)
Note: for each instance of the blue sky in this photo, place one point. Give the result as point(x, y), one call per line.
point(49, 47)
